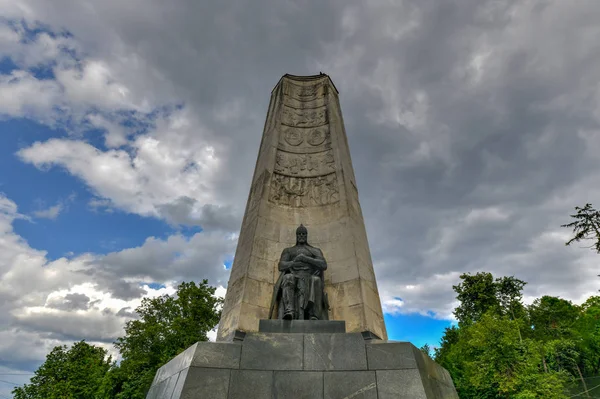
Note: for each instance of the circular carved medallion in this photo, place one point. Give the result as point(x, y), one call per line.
point(293, 137)
point(316, 137)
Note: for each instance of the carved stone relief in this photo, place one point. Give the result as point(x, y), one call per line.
point(304, 140)
point(298, 104)
point(302, 192)
point(256, 191)
point(304, 118)
point(305, 165)
point(304, 93)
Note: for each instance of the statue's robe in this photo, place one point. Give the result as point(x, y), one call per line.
point(309, 286)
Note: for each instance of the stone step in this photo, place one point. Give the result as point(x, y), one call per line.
point(301, 326)
point(302, 365)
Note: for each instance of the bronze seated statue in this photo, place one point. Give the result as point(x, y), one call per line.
point(299, 292)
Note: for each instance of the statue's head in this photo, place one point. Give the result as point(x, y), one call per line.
point(301, 235)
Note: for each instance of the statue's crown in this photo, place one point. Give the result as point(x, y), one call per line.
point(301, 229)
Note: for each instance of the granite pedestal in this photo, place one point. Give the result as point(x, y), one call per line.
point(321, 365)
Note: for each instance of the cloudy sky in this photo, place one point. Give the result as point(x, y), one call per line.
point(129, 132)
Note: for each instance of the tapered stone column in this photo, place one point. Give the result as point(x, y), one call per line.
point(303, 174)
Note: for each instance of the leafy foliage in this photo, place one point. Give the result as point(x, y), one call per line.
point(426, 349)
point(503, 349)
point(166, 326)
point(480, 293)
point(499, 349)
point(74, 373)
point(586, 226)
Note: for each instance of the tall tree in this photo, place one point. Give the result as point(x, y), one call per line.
point(586, 226)
point(492, 354)
point(490, 361)
point(552, 318)
point(477, 295)
point(166, 326)
point(481, 293)
point(68, 373)
point(588, 330)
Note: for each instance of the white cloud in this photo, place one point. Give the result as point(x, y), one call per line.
point(24, 95)
point(50, 213)
point(164, 174)
point(472, 128)
point(90, 296)
point(92, 85)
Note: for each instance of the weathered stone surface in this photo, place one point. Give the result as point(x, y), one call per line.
point(202, 383)
point(334, 352)
point(301, 326)
point(369, 335)
point(262, 270)
point(217, 354)
point(353, 315)
point(272, 352)
point(390, 355)
point(347, 292)
point(251, 384)
point(257, 292)
point(400, 384)
point(166, 387)
point(298, 365)
point(436, 380)
point(179, 362)
point(350, 384)
point(250, 316)
point(303, 174)
point(298, 385)
point(154, 389)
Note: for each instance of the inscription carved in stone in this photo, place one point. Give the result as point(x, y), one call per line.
point(305, 165)
point(304, 117)
point(304, 191)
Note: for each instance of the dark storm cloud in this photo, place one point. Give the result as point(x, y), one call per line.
point(211, 217)
point(70, 302)
point(472, 124)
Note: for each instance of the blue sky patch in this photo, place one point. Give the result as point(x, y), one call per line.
point(415, 328)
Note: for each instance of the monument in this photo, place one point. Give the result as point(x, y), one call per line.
point(303, 175)
point(302, 320)
point(298, 293)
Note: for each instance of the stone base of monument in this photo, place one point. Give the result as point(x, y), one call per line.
point(302, 363)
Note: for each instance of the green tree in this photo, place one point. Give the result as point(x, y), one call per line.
point(494, 352)
point(586, 226)
point(166, 326)
point(481, 293)
point(552, 318)
point(588, 330)
point(490, 361)
point(426, 349)
point(74, 373)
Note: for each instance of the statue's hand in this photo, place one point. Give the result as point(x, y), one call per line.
point(300, 258)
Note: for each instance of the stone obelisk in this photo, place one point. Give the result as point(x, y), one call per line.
point(303, 174)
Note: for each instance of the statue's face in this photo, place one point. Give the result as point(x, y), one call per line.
point(301, 237)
